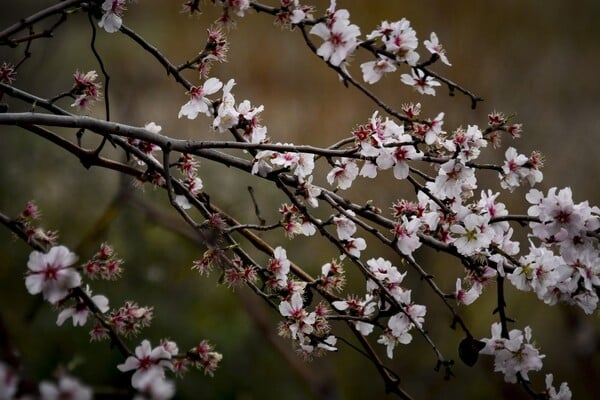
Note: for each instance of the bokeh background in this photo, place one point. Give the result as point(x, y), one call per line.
point(539, 60)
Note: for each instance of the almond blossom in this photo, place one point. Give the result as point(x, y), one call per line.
point(146, 361)
point(422, 83)
point(463, 296)
point(339, 35)
point(406, 232)
point(434, 47)
point(50, 273)
point(454, 181)
point(343, 173)
point(279, 266)
point(360, 308)
point(398, 38)
point(564, 393)
point(80, 311)
point(374, 70)
point(345, 227)
point(473, 235)
point(111, 19)
point(199, 103)
point(512, 356)
point(302, 321)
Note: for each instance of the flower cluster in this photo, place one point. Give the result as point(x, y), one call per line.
point(573, 275)
point(292, 12)
point(191, 180)
point(86, 90)
point(332, 276)
point(385, 294)
point(215, 50)
point(308, 329)
point(243, 116)
point(131, 318)
point(34, 233)
point(518, 168)
point(104, 264)
point(513, 355)
point(294, 222)
point(204, 357)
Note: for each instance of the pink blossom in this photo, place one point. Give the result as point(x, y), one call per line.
point(145, 361)
point(512, 356)
point(308, 191)
point(111, 19)
point(361, 308)
point(434, 47)
point(80, 311)
point(340, 37)
point(407, 239)
point(420, 82)
point(374, 70)
point(473, 235)
point(199, 103)
point(564, 392)
point(279, 265)
point(50, 273)
point(465, 297)
point(301, 321)
point(343, 173)
point(454, 180)
point(354, 246)
point(345, 227)
point(399, 38)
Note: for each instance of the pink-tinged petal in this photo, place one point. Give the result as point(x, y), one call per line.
point(297, 301)
point(101, 302)
point(190, 109)
point(33, 283)
point(37, 261)
point(71, 278)
point(160, 353)
point(54, 293)
point(129, 364)
point(340, 305)
point(401, 170)
point(212, 85)
point(64, 315)
point(143, 350)
point(61, 256)
point(139, 377)
point(321, 30)
point(285, 309)
point(110, 22)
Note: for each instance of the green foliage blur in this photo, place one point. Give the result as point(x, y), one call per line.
point(539, 60)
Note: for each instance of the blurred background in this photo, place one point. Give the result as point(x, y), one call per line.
point(539, 60)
